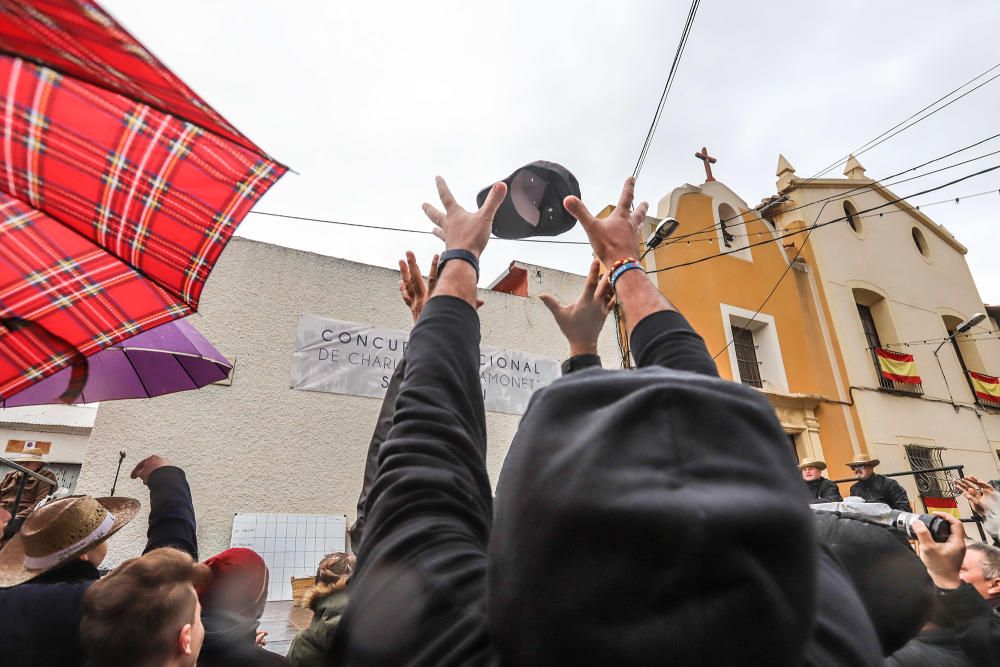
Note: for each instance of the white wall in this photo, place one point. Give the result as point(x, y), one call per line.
point(919, 290)
point(258, 446)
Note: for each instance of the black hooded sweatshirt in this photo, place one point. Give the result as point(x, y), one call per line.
point(420, 592)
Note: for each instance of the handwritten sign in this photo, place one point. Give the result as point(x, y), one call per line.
point(359, 359)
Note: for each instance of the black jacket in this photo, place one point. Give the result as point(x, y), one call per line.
point(230, 642)
point(970, 635)
point(823, 490)
point(41, 618)
point(880, 489)
point(419, 594)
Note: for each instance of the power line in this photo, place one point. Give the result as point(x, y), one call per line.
point(817, 225)
point(401, 229)
point(685, 32)
point(952, 200)
point(861, 189)
point(871, 143)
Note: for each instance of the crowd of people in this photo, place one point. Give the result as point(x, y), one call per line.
point(647, 516)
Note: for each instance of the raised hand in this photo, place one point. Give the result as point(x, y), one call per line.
point(616, 236)
point(461, 229)
point(411, 284)
point(942, 559)
point(144, 468)
point(581, 322)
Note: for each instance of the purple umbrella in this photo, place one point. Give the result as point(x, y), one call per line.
point(169, 358)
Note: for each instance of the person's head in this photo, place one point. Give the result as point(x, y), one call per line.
point(811, 468)
point(331, 576)
point(60, 531)
point(146, 612)
point(238, 584)
point(863, 472)
point(33, 466)
point(981, 569)
point(863, 466)
point(809, 473)
point(630, 524)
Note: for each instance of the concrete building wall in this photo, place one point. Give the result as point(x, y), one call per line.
point(259, 446)
point(916, 290)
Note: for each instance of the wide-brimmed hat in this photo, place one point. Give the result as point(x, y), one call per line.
point(810, 462)
point(28, 457)
point(60, 530)
point(864, 460)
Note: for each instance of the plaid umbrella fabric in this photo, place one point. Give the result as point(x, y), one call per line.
point(119, 188)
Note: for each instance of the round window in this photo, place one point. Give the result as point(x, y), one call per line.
point(920, 242)
point(853, 219)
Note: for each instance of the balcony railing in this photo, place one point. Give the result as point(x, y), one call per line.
point(983, 388)
point(907, 384)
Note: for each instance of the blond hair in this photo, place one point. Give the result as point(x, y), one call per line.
point(331, 576)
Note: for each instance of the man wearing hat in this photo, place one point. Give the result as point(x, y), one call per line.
point(877, 488)
point(34, 489)
point(821, 489)
point(46, 568)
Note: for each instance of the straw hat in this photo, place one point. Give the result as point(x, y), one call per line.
point(60, 530)
point(28, 457)
point(864, 460)
point(809, 462)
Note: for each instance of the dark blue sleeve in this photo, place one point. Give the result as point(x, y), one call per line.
point(977, 626)
point(580, 362)
point(171, 512)
point(666, 339)
point(418, 595)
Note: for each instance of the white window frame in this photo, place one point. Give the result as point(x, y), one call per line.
point(765, 336)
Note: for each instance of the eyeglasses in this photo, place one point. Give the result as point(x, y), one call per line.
point(857, 467)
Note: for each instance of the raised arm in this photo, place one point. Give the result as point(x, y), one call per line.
point(418, 594)
point(171, 510)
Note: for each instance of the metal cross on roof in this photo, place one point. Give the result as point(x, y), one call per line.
point(709, 161)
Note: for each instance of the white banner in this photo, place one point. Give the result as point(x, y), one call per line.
point(359, 359)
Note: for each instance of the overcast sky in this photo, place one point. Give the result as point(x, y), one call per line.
point(367, 101)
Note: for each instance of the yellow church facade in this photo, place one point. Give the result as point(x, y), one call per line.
point(786, 347)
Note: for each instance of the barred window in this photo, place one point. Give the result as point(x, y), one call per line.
point(935, 484)
point(746, 357)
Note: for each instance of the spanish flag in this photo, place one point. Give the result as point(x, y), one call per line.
point(987, 387)
point(897, 366)
point(947, 505)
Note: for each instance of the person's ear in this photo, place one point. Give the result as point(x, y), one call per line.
point(994, 586)
point(184, 640)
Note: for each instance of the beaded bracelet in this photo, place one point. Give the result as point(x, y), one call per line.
point(620, 267)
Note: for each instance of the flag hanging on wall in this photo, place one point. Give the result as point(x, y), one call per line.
point(897, 366)
point(987, 387)
point(947, 505)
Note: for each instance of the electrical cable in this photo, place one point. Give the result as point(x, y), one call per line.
point(879, 139)
point(861, 189)
point(817, 225)
point(682, 43)
point(403, 229)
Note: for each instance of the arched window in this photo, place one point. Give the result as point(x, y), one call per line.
point(920, 242)
point(729, 220)
point(853, 219)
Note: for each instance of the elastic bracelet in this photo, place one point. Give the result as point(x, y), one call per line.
point(622, 261)
point(622, 268)
point(458, 253)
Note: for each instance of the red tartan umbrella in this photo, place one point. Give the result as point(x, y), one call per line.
point(119, 188)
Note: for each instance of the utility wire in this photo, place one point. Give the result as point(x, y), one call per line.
point(817, 225)
point(848, 194)
point(871, 143)
point(402, 229)
point(861, 189)
point(666, 87)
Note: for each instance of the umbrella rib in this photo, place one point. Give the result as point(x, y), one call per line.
point(137, 375)
point(129, 348)
point(183, 368)
point(253, 147)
